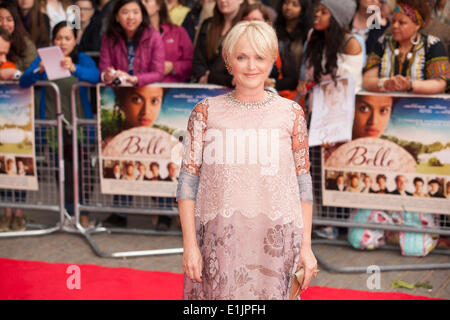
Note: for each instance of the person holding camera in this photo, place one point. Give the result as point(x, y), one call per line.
point(131, 50)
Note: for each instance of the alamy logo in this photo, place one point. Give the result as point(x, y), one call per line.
point(373, 21)
point(374, 280)
point(73, 281)
point(73, 17)
point(239, 146)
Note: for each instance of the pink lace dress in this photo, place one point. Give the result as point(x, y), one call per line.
point(246, 165)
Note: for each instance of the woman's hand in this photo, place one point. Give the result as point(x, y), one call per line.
point(204, 79)
point(193, 263)
point(67, 63)
point(309, 262)
point(41, 67)
point(168, 67)
point(397, 83)
point(109, 75)
point(7, 73)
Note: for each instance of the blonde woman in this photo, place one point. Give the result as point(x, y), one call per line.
point(246, 209)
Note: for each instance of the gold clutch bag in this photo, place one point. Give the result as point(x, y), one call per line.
point(297, 282)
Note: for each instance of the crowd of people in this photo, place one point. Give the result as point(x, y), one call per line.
point(385, 45)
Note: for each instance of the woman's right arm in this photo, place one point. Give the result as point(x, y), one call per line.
point(370, 80)
point(188, 182)
point(30, 76)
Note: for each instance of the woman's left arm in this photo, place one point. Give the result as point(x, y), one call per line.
point(86, 69)
point(300, 150)
point(429, 86)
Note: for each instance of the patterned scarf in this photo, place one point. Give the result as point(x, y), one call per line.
point(409, 11)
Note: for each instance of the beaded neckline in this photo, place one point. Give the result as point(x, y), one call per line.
point(251, 105)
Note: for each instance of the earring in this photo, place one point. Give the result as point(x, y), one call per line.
point(229, 69)
point(416, 41)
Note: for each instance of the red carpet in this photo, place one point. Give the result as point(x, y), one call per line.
point(30, 280)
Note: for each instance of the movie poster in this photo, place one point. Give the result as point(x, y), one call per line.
point(140, 135)
point(17, 151)
point(333, 107)
point(399, 158)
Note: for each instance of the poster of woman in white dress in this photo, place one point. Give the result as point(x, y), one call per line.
point(333, 108)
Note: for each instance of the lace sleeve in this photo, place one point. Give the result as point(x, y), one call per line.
point(194, 139)
point(193, 149)
point(300, 150)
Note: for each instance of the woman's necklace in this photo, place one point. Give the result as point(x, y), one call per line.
point(251, 105)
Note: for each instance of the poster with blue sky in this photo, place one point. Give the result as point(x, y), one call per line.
point(141, 132)
point(17, 150)
point(398, 159)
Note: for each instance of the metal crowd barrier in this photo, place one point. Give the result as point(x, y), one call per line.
point(338, 217)
point(88, 198)
point(50, 173)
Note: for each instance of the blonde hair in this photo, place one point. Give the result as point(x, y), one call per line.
point(260, 35)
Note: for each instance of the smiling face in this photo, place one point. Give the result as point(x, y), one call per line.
point(7, 21)
point(372, 115)
point(250, 69)
point(141, 106)
point(403, 28)
point(66, 40)
point(129, 17)
point(322, 18)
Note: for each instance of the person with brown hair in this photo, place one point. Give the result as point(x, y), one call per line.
point(208, 65)
point(22, 51)
point(407, 60)
point(35, 21)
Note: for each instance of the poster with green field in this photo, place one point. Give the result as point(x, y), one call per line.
point(17, 151)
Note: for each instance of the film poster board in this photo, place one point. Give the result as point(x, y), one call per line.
point(140, 136)
point(17, 143)
point(333, 107)
point(398, 158)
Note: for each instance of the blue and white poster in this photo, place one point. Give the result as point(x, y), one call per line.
point(398, 159)
point(141, 133)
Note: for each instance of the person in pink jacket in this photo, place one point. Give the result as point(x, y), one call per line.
point(177, 44)
point(131, 48)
